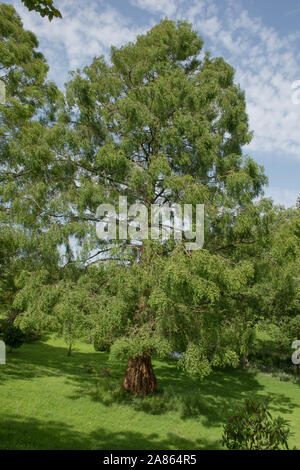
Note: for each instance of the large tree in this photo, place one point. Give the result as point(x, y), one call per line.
point(162, 123)
point(29, 106)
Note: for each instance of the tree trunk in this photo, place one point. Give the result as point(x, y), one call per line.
point(69, 349)
point(245, 362)
point(139, 376)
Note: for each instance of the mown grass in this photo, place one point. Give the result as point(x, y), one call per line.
point(51, 401)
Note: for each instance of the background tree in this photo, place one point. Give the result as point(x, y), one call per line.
point(280, 287)
point(28, 107)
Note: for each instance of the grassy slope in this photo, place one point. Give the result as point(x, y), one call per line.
point(47, 402)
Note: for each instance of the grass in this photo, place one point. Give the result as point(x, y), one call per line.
point(50, 401)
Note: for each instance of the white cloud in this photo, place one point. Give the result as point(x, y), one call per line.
point(266, 65)
point(164, 7)
point(285, 197)
point(84, 32)
point(266, 62)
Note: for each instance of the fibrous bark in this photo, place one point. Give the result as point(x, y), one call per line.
point(139, 376)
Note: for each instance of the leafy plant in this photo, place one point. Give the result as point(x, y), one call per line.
point(253, 428)
point(101, 343)
point(13, 337)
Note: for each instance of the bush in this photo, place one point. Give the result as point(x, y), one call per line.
point(31, 336)
point(101, 343)
point(13, 337)
point(253, 428)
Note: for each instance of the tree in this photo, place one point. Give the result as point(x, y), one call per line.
point(43, 7)
point(29, 106)
point(280, 286)
point(8, 268)
point(72, 314)
point(163, 124)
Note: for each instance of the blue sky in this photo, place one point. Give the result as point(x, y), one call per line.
point(259, 38)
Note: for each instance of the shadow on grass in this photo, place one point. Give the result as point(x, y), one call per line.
point(217, 396)
point(43, 360)
point(31, 433)
point(210, 400)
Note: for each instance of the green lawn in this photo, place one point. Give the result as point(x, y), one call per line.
point(48, 401)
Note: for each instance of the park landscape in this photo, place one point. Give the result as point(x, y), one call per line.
point(119, 343)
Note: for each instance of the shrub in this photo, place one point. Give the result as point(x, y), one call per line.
point(13, 337)
point(101, 343)
point(31, 336)
point(110, 390)
point(253, 428)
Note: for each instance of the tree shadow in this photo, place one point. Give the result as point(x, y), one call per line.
point(214, 398)
point(44, 360)
point(210, 400)
point(32, 434)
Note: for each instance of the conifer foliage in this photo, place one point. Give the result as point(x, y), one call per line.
point(162, 123)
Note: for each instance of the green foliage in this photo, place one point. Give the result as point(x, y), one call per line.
point(279, 287)
point(43, 7)
point(253, 428)
point(284, 331)
point(13, 337)
point(101, 343)
point(29, 106)
point(162, 122)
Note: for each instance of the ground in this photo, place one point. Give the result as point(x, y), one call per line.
point(49, 401)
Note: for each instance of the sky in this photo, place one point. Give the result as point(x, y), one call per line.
point(259, 38)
